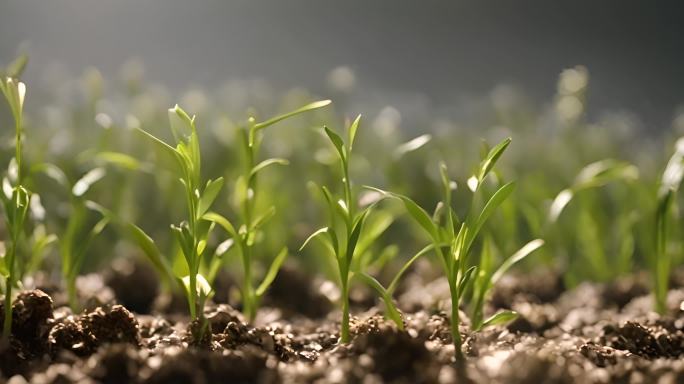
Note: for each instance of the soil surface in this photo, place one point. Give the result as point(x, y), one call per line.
point(590, 334)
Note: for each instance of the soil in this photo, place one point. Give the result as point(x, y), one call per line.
point(593, 333)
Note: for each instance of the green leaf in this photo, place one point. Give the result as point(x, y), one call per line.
point(604, 171)
point(264, 218)
point(494, 202)
point(4, 270)
point(674, 171)
point(336, 140)
point(150, 250)
point(306, 108)
point(202, 285)
point(594, 175)
point(491, 159)
point(662, 260)
point(417, 213)
point(209, 195)
point(395, 282)
point(352, 131)
point(312, 236)
point(84, 183)
point(259, 167)
point(182, 235)
point(354, 236)
point(411, 146)
point(80, 251)
point(119, 159)
point(465, 279)
point(523, 252)
point(165, 148)
point(446, 186)
point(181, 124)
point(52, 171)
point(16, 68)
point(392, 312)
point(500, 318)
point(226, 225)
point(15, 93)
point(559, 203)
point(374, 229)
point(335, 208)
point(272, 272)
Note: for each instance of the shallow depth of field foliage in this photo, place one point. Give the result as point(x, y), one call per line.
point(90, 178)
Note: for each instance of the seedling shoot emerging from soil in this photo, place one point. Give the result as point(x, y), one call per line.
point(246, 193)
point(452, 241)
point(192, 233)
point(15, 197)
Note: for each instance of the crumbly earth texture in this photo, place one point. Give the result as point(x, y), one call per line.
point(589, 334)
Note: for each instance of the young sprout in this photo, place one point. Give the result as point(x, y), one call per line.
point(591, 176)
point(590, 238)
point(78, 235)
point(15, 197)
point(452, 240)
point(487, 278)
point(246, 192)
point(669, 185)
point(192, 233)
point(343, 242)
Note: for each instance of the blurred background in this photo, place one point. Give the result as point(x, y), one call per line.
point(420, 57)
point(591, 92)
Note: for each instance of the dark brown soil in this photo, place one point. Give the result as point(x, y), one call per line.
point(591, 334)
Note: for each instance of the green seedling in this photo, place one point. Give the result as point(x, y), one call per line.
point(80, 230)
point(452, 240)
point(15, 197)
point(486, 279)
point(669, 185)
point(341, 236)
point(191, 234)
point(40, 241)
point(594, 175)
point(246, 193)
point(592, 237)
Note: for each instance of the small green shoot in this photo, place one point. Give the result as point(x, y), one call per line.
point(246, 193)
point(669, 185)
point(487, 278)
point(591, 176)
point(452, 240)
point(191, 234)
point(79, 231)
point(15, 197)
point(343, 242)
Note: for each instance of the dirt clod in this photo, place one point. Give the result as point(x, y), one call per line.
point(113, 324)
point(200, 366)
point(598, 354)
point(650, 341)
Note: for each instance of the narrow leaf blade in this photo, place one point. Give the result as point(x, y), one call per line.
point(500, 318)
point(272, 272)
point(392, 311)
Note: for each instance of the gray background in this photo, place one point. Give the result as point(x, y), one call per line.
point(440, 51)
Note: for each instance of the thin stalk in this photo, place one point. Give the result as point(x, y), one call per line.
point(251, 153)
point(18, 148)
point(192, 268)
point(247, 290)
point(455, 321)
point(347, 188)
point(71, 293)
point(345, 336)
point(7, 324)
point(191, 295)
point(9, 284)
